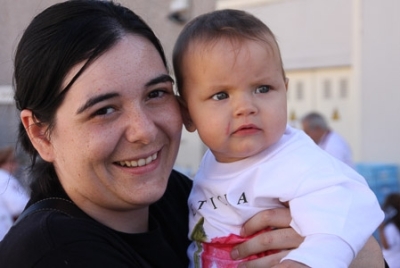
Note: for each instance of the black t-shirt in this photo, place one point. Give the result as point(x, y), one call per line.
point(53, 239)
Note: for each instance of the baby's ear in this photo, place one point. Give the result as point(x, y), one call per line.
point(38, 134)
point(187, 120)
point(286, 83)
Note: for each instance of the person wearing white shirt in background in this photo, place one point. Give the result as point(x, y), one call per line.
point(389, 230)
point(13, 197)
point(315, 126)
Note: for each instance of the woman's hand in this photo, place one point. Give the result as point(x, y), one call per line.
point(285, 238)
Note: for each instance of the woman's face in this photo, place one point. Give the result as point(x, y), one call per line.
point(117, 132)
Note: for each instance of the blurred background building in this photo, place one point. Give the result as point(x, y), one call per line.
point(342, 58)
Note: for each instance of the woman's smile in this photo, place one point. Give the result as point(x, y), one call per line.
point(139, 162)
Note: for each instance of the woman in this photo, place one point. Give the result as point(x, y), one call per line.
point(102, 125)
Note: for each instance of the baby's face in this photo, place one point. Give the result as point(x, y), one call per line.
point(236, 96)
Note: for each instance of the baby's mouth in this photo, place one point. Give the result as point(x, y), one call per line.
point(140, 162)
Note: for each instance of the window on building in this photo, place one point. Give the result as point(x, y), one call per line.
point(327, 89)
point(343, 88)
point(299, 90)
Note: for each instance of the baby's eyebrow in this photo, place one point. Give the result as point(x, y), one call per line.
point(160, 79)
point(96, 99)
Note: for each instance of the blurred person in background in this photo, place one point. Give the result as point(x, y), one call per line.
point(13, 196)
point(315, 126)
point(178, 10)
point(389, 230)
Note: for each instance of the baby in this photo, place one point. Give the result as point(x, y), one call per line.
point(232, 88)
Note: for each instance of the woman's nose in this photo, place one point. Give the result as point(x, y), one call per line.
point(141, 128)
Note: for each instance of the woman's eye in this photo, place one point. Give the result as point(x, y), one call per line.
point(156, 94)
point(262, 89)
point(220, 96)
point(104, 111)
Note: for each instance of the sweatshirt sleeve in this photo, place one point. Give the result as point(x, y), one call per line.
point(327, 251)
point(336, 220)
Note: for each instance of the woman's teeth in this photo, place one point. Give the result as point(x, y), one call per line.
point(139, 162)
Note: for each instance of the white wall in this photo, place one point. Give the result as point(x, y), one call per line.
point(380, 80)
point(313, 33)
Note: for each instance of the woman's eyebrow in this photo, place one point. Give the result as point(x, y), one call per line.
point(92, 101)
point(160, 79)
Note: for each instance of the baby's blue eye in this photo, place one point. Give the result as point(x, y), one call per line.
point(220, 96)
point(262, 89)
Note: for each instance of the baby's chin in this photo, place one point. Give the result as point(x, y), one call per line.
point(239, 155)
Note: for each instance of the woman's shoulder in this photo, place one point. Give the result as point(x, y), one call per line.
point(179, 183)
point(53, 239)
point(35, 236)
point(176, 194)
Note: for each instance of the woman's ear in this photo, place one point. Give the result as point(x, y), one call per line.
point(37, 133)
point(187, 120)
